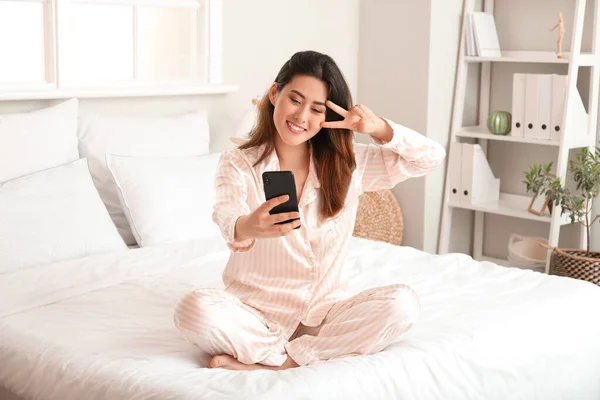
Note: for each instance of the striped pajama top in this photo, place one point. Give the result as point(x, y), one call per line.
point(298, 277)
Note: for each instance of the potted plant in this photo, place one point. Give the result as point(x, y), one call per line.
point(577, 203)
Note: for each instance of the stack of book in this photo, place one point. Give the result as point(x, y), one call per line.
point(481, 35)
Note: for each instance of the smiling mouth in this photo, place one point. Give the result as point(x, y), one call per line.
point(295, 128)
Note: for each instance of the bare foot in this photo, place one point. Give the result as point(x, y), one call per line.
point(228, 362)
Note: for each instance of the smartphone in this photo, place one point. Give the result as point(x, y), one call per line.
point(278, 183)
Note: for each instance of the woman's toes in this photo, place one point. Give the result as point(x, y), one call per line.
point(214, 362)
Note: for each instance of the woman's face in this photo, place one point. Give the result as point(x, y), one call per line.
point(299, 109)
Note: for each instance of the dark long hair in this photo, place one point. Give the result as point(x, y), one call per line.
point(333, 152)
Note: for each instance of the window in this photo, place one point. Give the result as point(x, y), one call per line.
point(120, 43)
point(23, 60)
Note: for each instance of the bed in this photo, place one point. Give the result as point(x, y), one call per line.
point(84, 314)
point(100, 327)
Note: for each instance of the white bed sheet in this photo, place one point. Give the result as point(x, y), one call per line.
point(101, 328)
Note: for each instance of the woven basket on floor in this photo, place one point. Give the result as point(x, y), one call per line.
point(379, 217)
point(575, 264)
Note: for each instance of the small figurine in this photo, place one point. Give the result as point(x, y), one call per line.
point(561, 32)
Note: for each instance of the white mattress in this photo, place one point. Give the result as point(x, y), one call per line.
point(101, 328)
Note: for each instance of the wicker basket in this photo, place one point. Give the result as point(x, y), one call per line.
point(379, 217)
point(575, 264)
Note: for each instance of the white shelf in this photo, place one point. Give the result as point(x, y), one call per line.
point(481, 132)
point(548, 57)
point(117, 91)
point(510, 205)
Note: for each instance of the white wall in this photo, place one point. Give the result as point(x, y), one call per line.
point(407, 64)
point(258, 37)
point(393, 70)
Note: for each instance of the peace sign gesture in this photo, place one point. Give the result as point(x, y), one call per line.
point(359, 119)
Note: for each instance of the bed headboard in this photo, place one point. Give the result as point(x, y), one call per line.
point(222, 109)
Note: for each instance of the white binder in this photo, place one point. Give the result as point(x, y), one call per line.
point(518, 105)
point(454, 172)
point(478, 184)
point(578, 121)
point(538, 106)
point(543, 128)
point(530, 112)
point(559, 95)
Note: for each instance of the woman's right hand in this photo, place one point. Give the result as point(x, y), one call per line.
point(260, 224)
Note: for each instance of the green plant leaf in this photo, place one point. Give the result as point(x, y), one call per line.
point(585, 171)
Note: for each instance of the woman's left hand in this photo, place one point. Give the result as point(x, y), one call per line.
point(359, 119)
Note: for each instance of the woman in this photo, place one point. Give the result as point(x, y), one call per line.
point(285, 303)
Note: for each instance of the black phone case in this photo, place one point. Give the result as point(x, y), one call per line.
point(278, 183)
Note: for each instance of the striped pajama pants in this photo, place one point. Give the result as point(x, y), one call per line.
point(219, 323)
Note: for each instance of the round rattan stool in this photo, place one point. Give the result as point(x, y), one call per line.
point(379, 217)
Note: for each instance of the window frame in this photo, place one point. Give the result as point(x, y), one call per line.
point(208, 46)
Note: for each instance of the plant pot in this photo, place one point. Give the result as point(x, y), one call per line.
point(499, 122)
point(574, 263)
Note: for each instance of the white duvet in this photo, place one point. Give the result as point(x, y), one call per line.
point(101, 328)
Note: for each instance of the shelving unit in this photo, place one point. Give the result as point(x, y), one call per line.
point(512, 205)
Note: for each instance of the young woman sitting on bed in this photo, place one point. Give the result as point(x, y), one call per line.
point(285, 302)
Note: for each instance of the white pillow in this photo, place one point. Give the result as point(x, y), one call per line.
point(38, 140)
point(53, 215)
point(167, 199)
point(181, 135)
